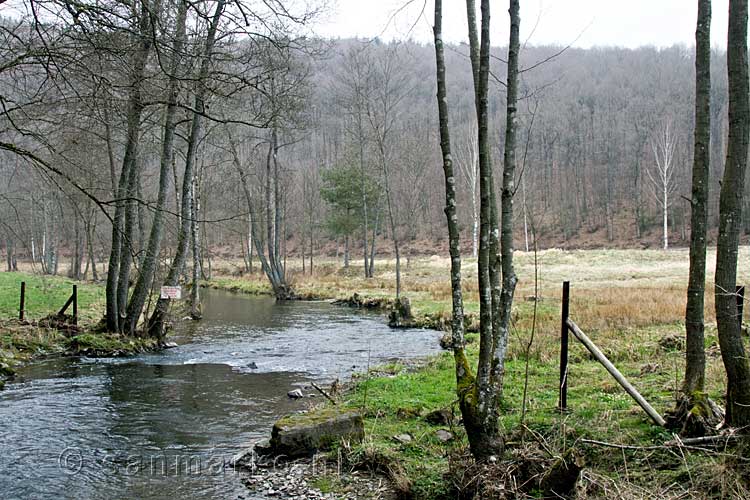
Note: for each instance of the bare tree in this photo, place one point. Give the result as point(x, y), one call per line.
point(119, 258)
point(469, 164)
point(149, 262)
point(662, 175)
point(695, 357)
point(156, 322)
point(479, 396)
point(382, 109)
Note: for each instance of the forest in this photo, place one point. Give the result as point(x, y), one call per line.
point(401, 256)
point(593, 125)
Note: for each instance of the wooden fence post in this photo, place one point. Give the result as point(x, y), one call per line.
point(564, 346)
point(21, 310)
point(740, 302)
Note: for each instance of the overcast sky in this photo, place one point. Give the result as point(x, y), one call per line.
point(585, 23)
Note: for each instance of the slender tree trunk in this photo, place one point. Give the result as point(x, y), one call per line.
point(9, 253)
point(373, 240)
point(150, 258)
point(273, 269)
point(501, 327)
point(665, 215)
point(363, 186)
point(730, 220)
point(346, 252)
point(695, 358)
point(195, 303)
point(312, 247)
point(90, 231)
point(158, 317)
point(134, 113)
point(465, 382)
point(250, 243)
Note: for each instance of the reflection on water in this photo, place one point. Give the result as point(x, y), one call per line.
point(167, 424)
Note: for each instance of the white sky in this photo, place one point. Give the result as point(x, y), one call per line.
point(629, 23)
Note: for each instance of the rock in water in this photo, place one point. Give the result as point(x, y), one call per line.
point(295, 394)
point(252, 365)
point(170, 345)
point(305, 434)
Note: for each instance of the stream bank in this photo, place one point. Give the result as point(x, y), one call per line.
point(168, 423)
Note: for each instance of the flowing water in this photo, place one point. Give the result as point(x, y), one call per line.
point(167, 425)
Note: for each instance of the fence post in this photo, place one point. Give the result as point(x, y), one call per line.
point(740, 295)
point(75, 304)
point(21, 310)
point(564, 346)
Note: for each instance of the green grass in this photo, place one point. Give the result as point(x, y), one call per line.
point(598, 409)
point(45, 295)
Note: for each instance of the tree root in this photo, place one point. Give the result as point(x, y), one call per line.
point(695, 416)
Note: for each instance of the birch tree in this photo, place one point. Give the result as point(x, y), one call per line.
point(662, 175)
point(468, 163)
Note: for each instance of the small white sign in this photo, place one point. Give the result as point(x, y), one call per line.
point(171, 292)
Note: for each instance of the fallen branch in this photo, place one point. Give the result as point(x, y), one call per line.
point(677, 442)
point(725, 438)
point(324, 393)
point(622, 446)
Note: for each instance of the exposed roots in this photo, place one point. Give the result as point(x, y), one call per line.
point(695, 416)
point(524, 472)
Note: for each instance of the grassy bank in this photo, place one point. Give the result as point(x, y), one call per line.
point(631, 303)
point(21, 342)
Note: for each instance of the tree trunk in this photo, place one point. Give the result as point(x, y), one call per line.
point(158, 317)
point(730, 215)
point(90, 231)
point(135, 110)
point(465, 382)
point(373, 240)
point(501, 328)
point(195, 303)
point(151, 255)
point(363, 186)
point(346, 252)
point(695, 358)
point(273, 269)
point(9, 253)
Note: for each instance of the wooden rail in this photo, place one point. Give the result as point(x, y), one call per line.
point(568, 325)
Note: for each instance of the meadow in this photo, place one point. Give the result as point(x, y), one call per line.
point(631, 303)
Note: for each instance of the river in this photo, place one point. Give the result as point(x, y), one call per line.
point(166, 425)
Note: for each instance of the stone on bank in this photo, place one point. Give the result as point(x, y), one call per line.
point(303, 435)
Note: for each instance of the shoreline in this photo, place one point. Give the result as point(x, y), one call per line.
point(27, 342)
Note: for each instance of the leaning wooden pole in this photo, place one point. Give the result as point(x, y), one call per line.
point(616, 373)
